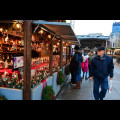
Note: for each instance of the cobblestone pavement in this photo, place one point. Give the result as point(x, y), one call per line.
point(86, 91)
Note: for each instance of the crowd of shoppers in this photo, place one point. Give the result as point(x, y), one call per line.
point(99, 66)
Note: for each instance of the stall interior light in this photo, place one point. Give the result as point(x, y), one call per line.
point(49, 36)
point(18, 25)
point(41, 31)
point(1, 29)
point(58, 43)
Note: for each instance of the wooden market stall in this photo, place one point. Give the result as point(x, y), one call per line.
point(41, 61)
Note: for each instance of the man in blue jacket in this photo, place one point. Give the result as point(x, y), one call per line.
point(101, 67)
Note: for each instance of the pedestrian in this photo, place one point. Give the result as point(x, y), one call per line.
point(75, 68)
point(83, 52)
point(91, 56)
point(85, 68)
point(101, 67)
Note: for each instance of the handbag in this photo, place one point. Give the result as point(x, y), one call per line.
point(82, 65)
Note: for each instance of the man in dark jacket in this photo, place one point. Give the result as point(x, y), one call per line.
point(101, 67)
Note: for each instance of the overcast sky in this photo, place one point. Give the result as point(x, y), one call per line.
point(84, 27)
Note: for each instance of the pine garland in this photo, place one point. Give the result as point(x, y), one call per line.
point(2, 97)
point(67, 70)
point(60, 78)
point(48, 93)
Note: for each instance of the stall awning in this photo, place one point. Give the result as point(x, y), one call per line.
point(63, 30)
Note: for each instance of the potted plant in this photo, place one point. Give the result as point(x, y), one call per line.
point(60, 78)
point(67, 70)
point(2, 97)
point(48, 93)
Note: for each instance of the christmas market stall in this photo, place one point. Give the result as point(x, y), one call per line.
point(11, 59)
point(65, 34)
point(32, 58)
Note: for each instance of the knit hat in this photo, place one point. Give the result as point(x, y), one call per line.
point(76, 47)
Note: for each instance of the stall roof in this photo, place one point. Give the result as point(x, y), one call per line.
point(61, 29)
point(10, 21)
point(64, 30)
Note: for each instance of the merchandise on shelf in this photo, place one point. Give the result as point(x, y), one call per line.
point(1, 64)
point(14, 82)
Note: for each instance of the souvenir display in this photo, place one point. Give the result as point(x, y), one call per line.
point(42, 62)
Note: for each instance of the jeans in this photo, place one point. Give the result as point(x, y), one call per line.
point(104, 87)
point(77, 77)
point(84, 74)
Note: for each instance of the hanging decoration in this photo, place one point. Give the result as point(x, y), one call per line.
point(33, 38)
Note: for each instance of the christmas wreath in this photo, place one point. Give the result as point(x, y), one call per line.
point(48, 93)
point(2, 97)
point(67, 70)
point(60, 78)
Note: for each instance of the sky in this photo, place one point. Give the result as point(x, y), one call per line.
point(84, 27)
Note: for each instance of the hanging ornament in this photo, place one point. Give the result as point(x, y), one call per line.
point(11, 41)
point(6, 64)
point(7, 40)
point(47, 46)
point(14, 46)
point(33, 38)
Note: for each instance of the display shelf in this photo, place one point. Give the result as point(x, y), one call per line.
point(15, 34)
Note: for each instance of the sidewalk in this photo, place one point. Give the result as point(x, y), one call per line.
point(86, 91)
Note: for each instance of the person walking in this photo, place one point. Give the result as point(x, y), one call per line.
point(101, 67)
point(91, 56)
point(75, 68)
point(85, 68)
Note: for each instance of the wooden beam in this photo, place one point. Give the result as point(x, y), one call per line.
point(61, 53)
point(51, 56)
point(27, 59)
point(69, 51)
point(66, 54)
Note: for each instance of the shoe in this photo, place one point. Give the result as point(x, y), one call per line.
point(101, 98)
point(86, 78)
point(78, 86)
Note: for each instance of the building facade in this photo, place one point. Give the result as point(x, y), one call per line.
point(115, 35)
point(93, 40)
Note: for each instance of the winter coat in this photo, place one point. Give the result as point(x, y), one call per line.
point(75, 64)
point(101, 68)
point(85, 68)
point(90, 59)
